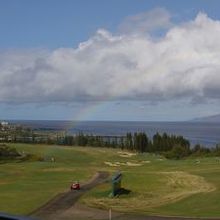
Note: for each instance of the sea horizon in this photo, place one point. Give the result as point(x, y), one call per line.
point(197, 132)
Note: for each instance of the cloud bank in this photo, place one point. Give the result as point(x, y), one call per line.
point(184, 63)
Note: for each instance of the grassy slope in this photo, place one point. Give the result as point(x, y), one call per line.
point(25, 186)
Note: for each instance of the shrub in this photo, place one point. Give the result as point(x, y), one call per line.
point(177, 152)
point(7, 152)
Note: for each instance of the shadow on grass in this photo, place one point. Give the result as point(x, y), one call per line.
point(123, 191)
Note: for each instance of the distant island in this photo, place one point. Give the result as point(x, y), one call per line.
point(212, 118)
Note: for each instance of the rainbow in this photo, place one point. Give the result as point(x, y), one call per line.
point(88, 112)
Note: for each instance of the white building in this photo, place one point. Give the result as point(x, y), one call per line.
point(4, 123)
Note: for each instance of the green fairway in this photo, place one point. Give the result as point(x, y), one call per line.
point(158, 186)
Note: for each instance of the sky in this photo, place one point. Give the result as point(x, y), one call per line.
point(109, 60)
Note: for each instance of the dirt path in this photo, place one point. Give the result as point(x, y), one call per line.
point(64, 201)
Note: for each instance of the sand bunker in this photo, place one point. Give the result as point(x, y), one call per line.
point(145, 161)
point(117, 164)
point(112, 164)
point(160, 159)
point(126, 154)
point(133, 164)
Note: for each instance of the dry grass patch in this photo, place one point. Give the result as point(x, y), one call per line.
point(3, 182)
point(59, 169)
point(118, 164)
point(174, 186)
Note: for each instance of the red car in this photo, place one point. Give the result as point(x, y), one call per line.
point(75, 186)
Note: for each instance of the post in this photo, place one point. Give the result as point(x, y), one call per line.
point(110, 214)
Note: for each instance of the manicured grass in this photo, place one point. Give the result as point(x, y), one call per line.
point(158, 186)
point(165, 187)
point(27, 185)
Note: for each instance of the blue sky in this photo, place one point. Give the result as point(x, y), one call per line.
point(56, 23)
point(46, 41)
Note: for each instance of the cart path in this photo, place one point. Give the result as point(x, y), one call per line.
point(64, 201)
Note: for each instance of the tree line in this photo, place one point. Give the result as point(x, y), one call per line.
point(171, 146)
point(138, 142)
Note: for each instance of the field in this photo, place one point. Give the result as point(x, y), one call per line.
point(158, 186)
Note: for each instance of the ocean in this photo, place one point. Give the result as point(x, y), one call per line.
point(204, 133)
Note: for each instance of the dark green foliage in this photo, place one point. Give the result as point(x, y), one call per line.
point(199, 150)
point(177, 152)
point(217, 150)
point(7, 152)
point(166, 143)
point(129, 141)
point(138, 142)
point(31, 157)
point(173, 147)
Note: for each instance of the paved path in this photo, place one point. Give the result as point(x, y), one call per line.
point(64, 201)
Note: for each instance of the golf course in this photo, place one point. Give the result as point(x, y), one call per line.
point(154, 185)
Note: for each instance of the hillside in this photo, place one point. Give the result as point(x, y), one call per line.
point(213, 118)
point(155, 185)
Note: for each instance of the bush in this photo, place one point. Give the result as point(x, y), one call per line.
point(177, 152)
point(7, 152)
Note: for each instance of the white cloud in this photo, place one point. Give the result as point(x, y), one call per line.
point(145, 22)
point(184, 63)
